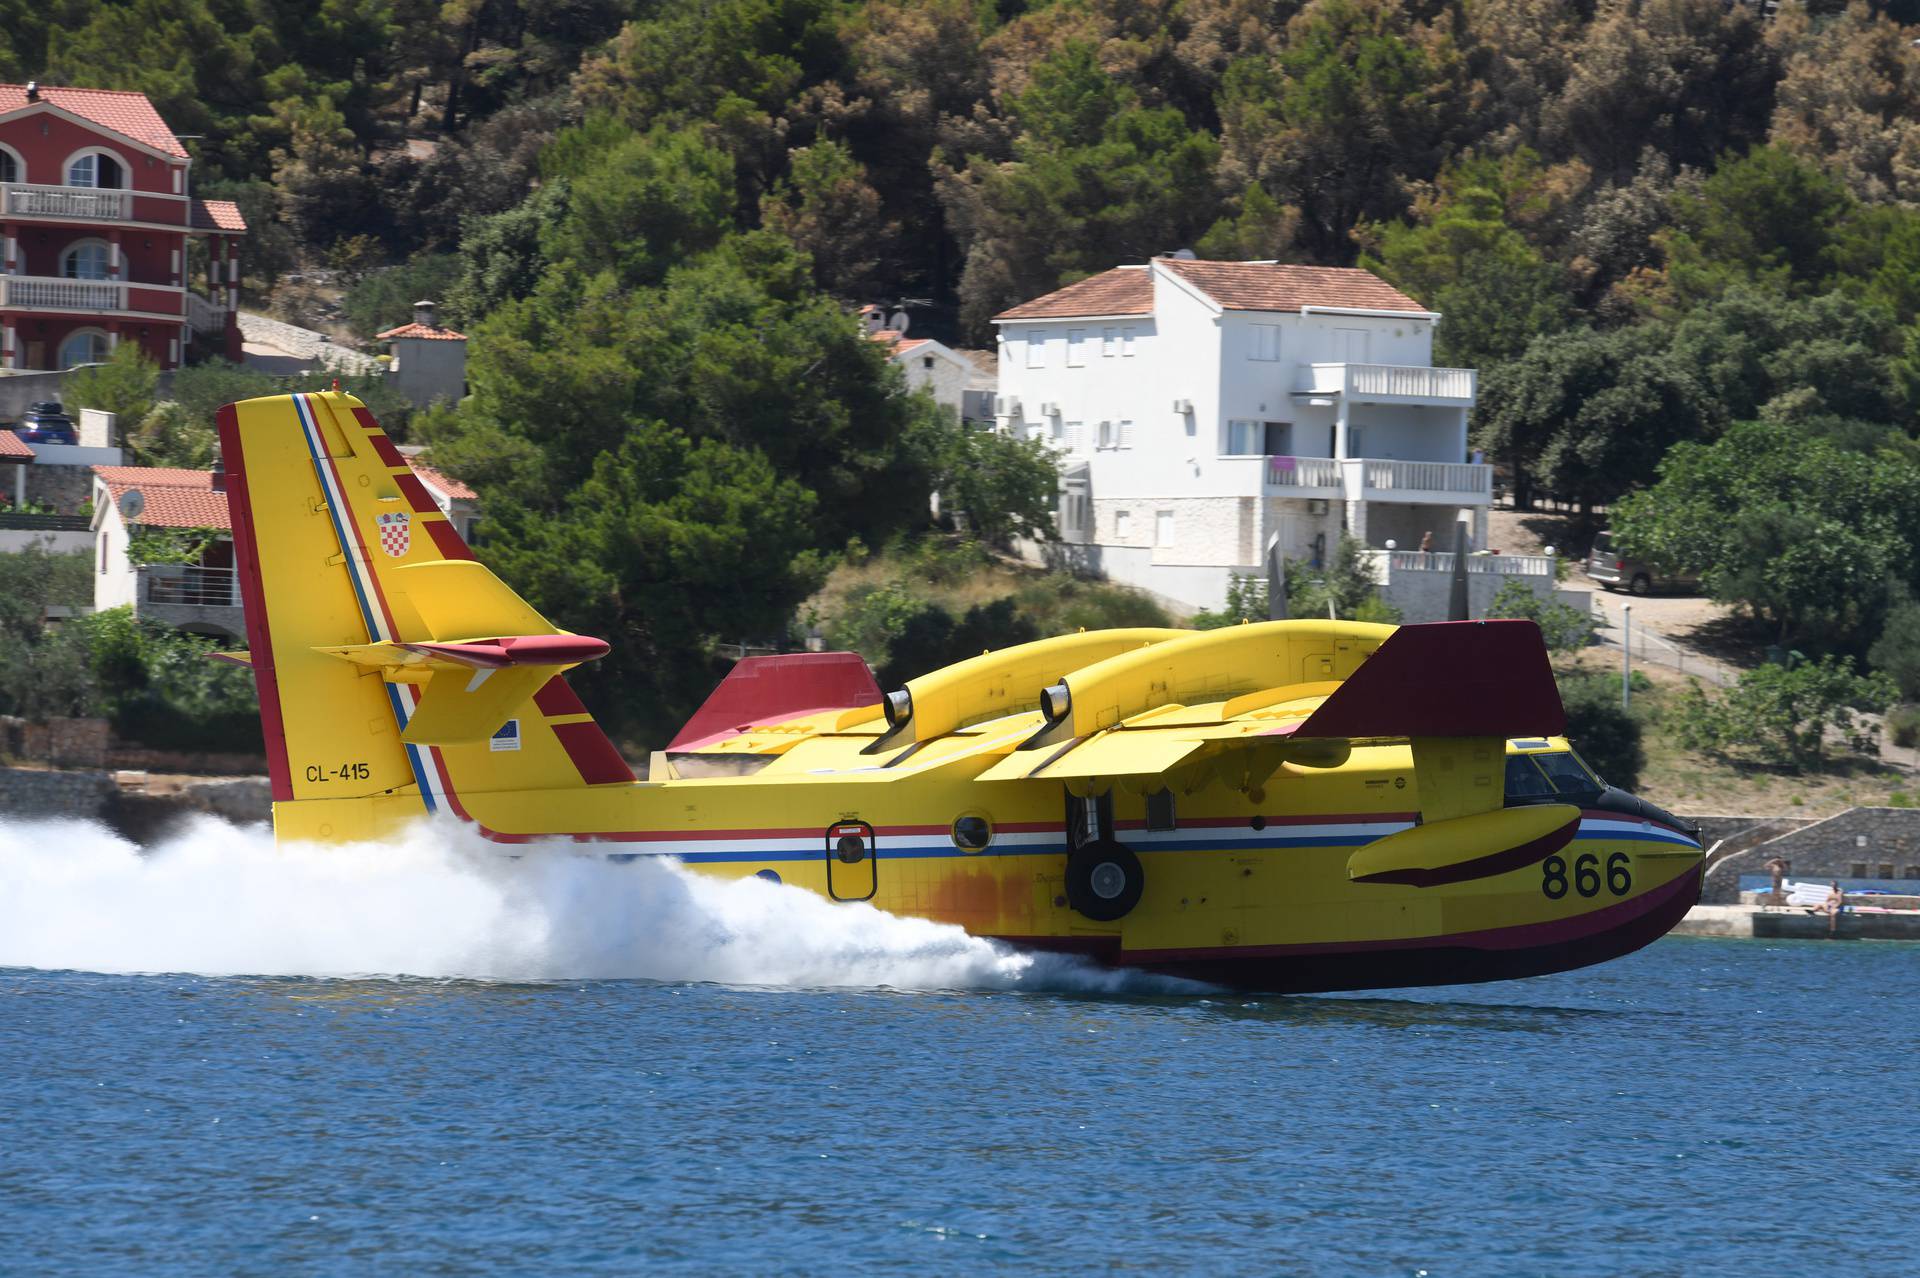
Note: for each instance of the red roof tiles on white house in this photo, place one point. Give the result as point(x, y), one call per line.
point(432, 334)
point(1235, 286)
point(174, 498)
point(13, 448)
point(445, 483)
point(896, 344)
point(130, 115)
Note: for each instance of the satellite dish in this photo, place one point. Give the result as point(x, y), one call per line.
point(898, 322)
point(132, 505)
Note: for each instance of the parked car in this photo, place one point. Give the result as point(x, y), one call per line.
point(1614, 571)
point(47, 423)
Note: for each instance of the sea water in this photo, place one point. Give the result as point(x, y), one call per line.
point(426, 1058)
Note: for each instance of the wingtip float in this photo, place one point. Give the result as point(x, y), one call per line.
point(1287, 806)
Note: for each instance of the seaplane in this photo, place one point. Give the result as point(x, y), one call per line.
point(1289, 806)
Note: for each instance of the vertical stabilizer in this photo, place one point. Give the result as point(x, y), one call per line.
point(396, 673)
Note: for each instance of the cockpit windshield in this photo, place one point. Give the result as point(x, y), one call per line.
point(1554, 776)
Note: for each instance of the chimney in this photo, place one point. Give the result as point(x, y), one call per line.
point(423, 315)
point(33, 90)
point(219, 472)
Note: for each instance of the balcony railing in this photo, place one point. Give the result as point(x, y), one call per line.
point(27, 199)
point(1393, 382)
point(189, 585)
point(33, 292)
point(1381, 478)
point(203, 316)
point(1442, 561)
point(1303, 472)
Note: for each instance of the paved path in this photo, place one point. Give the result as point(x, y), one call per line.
point(1662, 628)
point(284, 349)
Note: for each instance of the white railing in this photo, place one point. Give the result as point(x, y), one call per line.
point(203, 316)
point(30, 292)
point(1388, 381)
point(1377, 475)
point(189, 585)
point(1303, 472)
point(1442, 561)
point(27, 199)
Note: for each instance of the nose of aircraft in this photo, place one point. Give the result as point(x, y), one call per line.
point(1614, 799)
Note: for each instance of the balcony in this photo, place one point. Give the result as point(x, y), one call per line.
point(1304, 477)
point(190, 596)
point(28, 199)
point(1389, 383)
point(1453, 483)
point(94, 297)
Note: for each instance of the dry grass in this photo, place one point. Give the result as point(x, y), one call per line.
point(1689, 782)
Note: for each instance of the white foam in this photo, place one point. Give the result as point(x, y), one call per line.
point(441, 902)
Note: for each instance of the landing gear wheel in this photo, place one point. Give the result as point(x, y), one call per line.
point(1104, 880)
point(1642, 584)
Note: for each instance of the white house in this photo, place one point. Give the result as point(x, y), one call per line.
point(204, 595)
point(1201, 408)
point(931, 364)
point(428, 361)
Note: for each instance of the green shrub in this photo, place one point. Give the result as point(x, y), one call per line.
point(1903, 726)
point(1782, 714)
point(1564, 627)
point(1607, 736)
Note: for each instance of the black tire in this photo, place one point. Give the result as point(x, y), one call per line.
point(1104, 880)
point(1641, 584)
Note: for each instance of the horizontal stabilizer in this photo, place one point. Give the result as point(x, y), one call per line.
point(516, 650)
point(761, 690)
point(1446, 679)
point(1466, 848)
point(233, 658)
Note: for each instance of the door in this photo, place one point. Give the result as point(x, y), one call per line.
point(1352, 344)
point(852, 871)
point(1279, 438)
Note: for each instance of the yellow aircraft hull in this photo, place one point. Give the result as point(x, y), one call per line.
point(1215, 806)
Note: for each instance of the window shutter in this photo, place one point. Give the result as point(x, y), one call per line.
point(1126, 434)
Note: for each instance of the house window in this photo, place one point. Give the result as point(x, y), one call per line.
point(1352, 343)
point(9, 167)
point(1244, 439)
point(96, 170)
point(86, 260)
point(1066, 434)
point(1036, 350)
point(1109, 438)
point(103, 554)
point(1076, 347)
point(1109, 342)
point(1263, 341)
point(1163, 527)
point(1122, 526)
point(926, 362)
point(1126, 341)
point(87, 346)
point(1123, 432)
point(1279, 438)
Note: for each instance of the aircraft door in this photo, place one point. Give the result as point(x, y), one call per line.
point(852, 862)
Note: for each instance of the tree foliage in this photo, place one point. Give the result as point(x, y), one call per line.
point(1784, 714)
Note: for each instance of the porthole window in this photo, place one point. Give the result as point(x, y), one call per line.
point(972, 832)
point(851, 849)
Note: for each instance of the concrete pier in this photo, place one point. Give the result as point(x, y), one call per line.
point(1756, 923)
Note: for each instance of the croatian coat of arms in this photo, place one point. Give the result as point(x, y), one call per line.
point(396, 532)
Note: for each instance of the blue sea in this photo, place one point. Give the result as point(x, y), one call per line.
point(600, 1069)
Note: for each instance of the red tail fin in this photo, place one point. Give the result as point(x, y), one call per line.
point(1448, 679)
point(770, 689)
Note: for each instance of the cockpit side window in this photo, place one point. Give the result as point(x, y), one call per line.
point(1525, 783)
point(1568, 774)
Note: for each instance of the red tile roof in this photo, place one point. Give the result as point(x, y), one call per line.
point(174, 498)
point(422, 330)
point(896, 345)
point(1276, 286)
point(1125, 290)
point(128, 114)
point(13, 448)
point(217, 215)
point(451, 487)
point(1236, 286)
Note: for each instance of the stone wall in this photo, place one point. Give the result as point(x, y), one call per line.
point(26, 792)
point(72, 743)
point(1860, 843)
point(65, 488)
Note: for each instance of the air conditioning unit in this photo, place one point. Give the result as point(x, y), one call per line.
point(1049, 410)
point(1183, 406)
point(1316, 505)
point(1006, 405)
